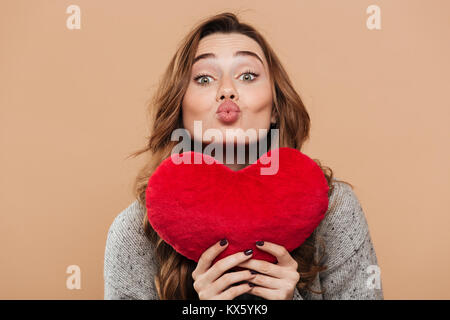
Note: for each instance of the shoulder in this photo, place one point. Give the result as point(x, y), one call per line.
point(129, 263)
point(128, 222)
point(126, 233)
point(344, 226)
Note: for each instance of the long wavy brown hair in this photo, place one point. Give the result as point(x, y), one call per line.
point(173, 279)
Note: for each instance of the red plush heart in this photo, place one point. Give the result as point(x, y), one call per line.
point(194, 205)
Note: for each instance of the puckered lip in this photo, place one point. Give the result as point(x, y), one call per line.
point(228, 106)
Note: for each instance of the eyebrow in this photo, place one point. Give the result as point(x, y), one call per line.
point(237, 53)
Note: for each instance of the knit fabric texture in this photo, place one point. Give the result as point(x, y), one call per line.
point(352, 266)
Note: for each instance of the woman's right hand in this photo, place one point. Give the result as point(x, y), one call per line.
point(211, 283)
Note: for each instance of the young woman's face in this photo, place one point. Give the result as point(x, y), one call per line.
point(241, 77)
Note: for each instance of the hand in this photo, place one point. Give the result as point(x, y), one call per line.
point(211, 284)
point(274, 281)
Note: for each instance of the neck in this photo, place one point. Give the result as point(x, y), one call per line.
point(236, 162)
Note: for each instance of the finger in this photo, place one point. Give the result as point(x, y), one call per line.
point(268, 294)
point(233, 292)
point(229, 279)
point(264, 267)
point(283, 256)
point(268, 281)
point(208, 256)
point(221, 266)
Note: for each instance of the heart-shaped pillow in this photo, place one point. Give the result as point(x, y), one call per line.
point(194, 205)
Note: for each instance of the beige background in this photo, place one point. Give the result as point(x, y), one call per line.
point(73, 107)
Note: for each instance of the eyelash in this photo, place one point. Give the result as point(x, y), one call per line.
point(206, 75)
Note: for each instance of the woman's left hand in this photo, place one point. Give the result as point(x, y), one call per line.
point(274, 281)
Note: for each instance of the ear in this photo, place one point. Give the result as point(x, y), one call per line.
point(273, 118)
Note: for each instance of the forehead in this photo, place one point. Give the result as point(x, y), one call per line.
point(226, 44)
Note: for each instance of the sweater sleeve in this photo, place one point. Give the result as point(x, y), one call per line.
point(357, 278)
point(353, 272)
point(297, 295)
point(129, 264)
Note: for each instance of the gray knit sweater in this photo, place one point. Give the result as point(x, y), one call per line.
point(352, 267)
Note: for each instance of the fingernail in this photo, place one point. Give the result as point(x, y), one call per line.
point(251, 284)
point(260, 243)
point(223, 242)
point(248, 252)
point(253, 272)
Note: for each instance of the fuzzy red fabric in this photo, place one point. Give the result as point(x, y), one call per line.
point(193, 206)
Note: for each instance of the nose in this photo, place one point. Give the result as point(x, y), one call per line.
point(227, 91)
point(227, 96)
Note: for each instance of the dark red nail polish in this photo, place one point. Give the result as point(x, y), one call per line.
point(248, 252)
point(223, 242)
point(260, 243)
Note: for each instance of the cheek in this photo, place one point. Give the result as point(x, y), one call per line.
point(196, 101)
point(259, 99)
point(197, 105)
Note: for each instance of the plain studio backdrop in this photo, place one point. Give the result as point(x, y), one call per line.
point(73, 106)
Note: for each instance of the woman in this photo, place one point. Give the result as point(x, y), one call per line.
point(224, 60)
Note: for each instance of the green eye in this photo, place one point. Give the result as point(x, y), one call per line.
point(202, 83)
point(250, 73)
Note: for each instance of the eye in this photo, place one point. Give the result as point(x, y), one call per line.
point(248, 78)
point(249, 72)
point(201, 76)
